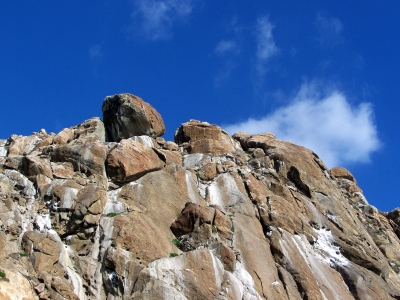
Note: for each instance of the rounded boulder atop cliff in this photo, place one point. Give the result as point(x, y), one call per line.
point(126, 115)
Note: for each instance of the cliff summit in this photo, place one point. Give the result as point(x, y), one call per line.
point(110, 210)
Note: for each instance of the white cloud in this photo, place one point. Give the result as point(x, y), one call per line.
point(226, 46)
point(156, 18)
point(325, 123)
point(330, 30)
point(265, 42)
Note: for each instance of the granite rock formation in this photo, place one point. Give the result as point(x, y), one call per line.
point(126, 115)
point(209, 216)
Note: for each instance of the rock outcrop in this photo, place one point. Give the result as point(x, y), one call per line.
point(126, 115)
point(205, 217)
point(202, 137)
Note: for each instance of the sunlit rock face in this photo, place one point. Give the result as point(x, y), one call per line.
point(126, 115)
point(205, 217)
point(202, 137)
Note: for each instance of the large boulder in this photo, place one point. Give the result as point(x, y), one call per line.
point(126, 115)
point(202, 137)
point(342, 173)
point(130, 160)
point(87, 159)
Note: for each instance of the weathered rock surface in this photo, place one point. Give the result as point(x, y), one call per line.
point(126, 115)
point(206, 217)
point(202, 137)
point(130, 160)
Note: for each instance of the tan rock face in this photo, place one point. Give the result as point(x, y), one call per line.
point(203, 218)
point(192, 217)
point(195, 275)
point(66, 135)
point(16, 287)
point(339, 172)
point(87, 159)
point(130, 160)
point(203, 138)
point(19, 145)
point(90, 131)
point(126, 115)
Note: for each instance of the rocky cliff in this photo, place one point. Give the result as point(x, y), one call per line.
point(113, 211)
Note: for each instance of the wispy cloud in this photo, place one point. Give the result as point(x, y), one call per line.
point(95, 52)
point(324, 122)
point(228, 50)
point(330, 30)
point(224, 74)
point(266, 47)
point(227, 46)
point(155, 19)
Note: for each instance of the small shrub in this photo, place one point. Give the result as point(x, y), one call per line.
point(215, 230)
point(233, 229)
point(396, 267)
point(173, 255)
point(2, 274)
point(359, 218)
point(112, 214)
point(23, 254)
point(176, 242)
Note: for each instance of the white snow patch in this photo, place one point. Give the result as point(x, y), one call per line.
point(75, 279)
point(329, 253)
point(191, 160)
point(191, 187)
point(113, 205)
point(170, 273)
point(104, 234)
point(202, 187)
point(319, 257)
point(224, 191)
point(362, 198)
point(215, 194)
point(43, 222)
point(144, 140)
point(21, 182)
point(3, 151)
point(68, 198)
point(249, 291)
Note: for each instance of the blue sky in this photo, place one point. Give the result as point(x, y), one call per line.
point(323, 74)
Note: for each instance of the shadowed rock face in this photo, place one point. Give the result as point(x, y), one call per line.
point(207, 217)
point(126, 115)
